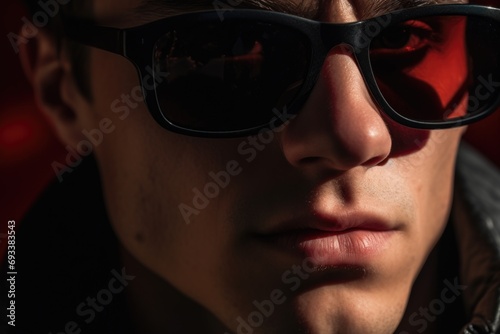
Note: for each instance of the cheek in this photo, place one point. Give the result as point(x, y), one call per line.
point(147, 183)
point(148, 173)
point(137, 159)
point(430, 172)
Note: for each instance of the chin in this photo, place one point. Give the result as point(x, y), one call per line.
point(340, 309)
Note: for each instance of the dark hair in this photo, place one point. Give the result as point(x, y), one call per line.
point(78, 54)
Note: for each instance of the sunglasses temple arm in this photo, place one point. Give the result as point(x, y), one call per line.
point(104, 38)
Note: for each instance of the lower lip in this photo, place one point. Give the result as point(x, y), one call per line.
point(354, 247)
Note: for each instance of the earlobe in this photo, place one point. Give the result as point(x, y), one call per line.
point(51, 78)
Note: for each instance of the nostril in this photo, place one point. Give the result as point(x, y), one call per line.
point(376, 161)
point(309, 160)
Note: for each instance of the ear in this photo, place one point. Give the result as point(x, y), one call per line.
point(54, 88)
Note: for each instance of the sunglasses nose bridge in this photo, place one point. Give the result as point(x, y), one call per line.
point(335, 34)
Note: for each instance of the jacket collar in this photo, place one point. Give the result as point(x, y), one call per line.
point(476, 221)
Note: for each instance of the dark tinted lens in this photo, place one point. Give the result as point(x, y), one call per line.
point(228, 76)
point(439, 68)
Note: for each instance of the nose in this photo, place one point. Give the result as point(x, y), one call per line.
point(339, 126)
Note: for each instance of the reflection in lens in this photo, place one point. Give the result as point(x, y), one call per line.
point(228, 76)
point(422, 67)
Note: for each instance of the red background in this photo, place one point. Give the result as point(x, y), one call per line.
point(28, 145)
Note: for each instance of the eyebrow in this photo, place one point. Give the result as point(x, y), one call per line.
point(169, 7)
point(309, 9)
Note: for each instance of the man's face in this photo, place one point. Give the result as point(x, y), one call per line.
point(232, 223)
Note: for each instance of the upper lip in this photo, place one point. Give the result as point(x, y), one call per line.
point(332, 225)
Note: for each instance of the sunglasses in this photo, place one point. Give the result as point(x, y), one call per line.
point(204, 75)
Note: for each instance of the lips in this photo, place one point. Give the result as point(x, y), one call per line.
point(353, 240)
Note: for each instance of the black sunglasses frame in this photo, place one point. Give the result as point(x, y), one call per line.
point(137, 45)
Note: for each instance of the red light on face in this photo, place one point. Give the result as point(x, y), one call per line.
point(422, 68)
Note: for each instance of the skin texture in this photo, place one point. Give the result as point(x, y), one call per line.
point(339, 156)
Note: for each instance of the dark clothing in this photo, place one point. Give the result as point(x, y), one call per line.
point(66, 252)
point(476, 220)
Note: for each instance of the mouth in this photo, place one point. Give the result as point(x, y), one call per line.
point(351, 242)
